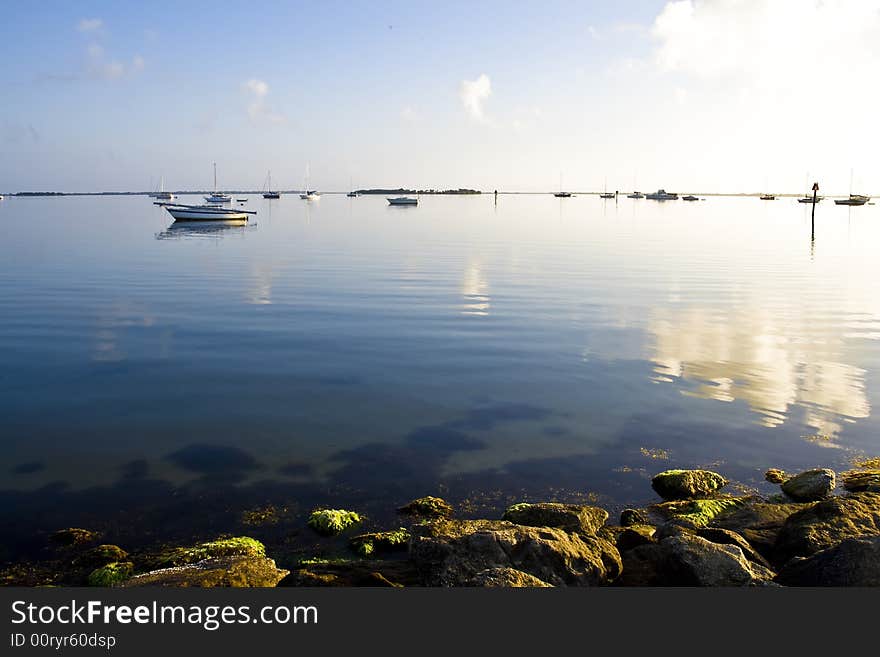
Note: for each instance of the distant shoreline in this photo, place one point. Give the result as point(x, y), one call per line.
point(383, 191)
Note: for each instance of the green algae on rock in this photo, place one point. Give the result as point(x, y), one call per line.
point(427, 507)
point(367, 544)
point(330, 522)
point(684, 484)
point(235, 546)
point(249, 571)
point(101, 555)
point(697, 513)
point(111, 574)
point(570, 517)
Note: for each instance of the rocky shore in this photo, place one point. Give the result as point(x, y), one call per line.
point(821, 529)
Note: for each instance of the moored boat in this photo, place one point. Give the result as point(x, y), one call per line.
point(854, 199)
point(268, 193)
point(217, 197)
point(403, 200)
point(768, 197)
point(635, 195)
point(809, 199)
point(662, 195)
point(204, 212)
point(690, 197)
point(562, 194)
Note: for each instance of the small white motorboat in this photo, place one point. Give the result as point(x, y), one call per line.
point(1, 197)
point(662, 195)
point(310, 195)
point(204, 212)
point(635, 195)
point(403, 200)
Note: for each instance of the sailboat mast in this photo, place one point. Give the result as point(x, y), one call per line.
point(215, 176)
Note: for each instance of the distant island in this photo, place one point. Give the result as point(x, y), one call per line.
point(418, 191)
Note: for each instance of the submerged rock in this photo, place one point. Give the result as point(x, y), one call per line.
point(683, 484)
point(810, 485)
point(330, 522)
point(853, 562)
point(825, 524)
point(427, 507)
point(506, 578)
point(232, 571)
point(861, 480)
point(357, 572)
point(452, 552)
point(570, 517)
point(111, 574)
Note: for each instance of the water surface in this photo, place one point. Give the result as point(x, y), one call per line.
point(163, 378)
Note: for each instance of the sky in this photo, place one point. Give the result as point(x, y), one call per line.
point(689, 95)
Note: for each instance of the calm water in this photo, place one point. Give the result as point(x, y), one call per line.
point(157, 380)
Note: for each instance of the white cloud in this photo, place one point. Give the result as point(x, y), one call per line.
point(258, 109)
point(89, 25)
point(100, 66)
point(473, 94)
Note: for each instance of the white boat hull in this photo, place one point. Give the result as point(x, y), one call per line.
point(403, 201)
point(206, 214)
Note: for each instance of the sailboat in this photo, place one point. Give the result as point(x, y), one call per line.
point(309, 194)
point(268, 187)
point(854, 199)
point(353, 193)
point(605, 193)
point(560, 193)
point(162, 194)
point(217, 197)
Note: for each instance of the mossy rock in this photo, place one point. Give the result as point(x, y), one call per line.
point(775, 476)
point(698, 513)
point(427, 507)
point(367, 544)
point(629, 517)
point(101, 555)
point(570, 517)
point(111, 574)
point(73, 536)
point(861, 480)
point(237, 546)
point(330, 522)
point(685, 484)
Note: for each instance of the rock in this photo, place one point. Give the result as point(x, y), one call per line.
point(349, 573)
point(852, 562)
point(825, 524)
point(111, 574)
point(73, 536)
point(506, 578)
point(695, 561)
point(427, 507)
point(452, 552)
point(728, 537)
point(684, 484)
point(237, 546)
point(234, 571)
point(633, 517)
point(861, 480)
point(634, 536)
point(570, 517)
point(775, 476)
point(367, 544)
point(697, 513)
point(100, 556)
point(330, 522)
point(643, 566)
point(810, 485)
point(758, 522)
point(674, 528)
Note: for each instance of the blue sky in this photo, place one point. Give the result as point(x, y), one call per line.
point(703, 95)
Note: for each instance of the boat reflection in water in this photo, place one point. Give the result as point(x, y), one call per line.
point(220, 228)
